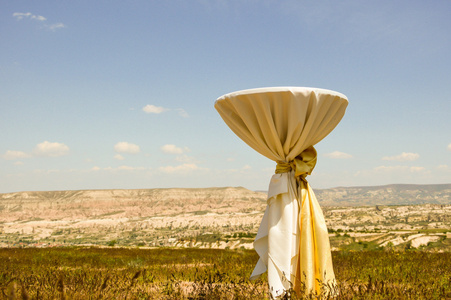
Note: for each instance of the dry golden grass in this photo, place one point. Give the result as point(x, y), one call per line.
point(163, 273)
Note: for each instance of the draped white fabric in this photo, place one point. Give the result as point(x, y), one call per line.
point(280, 123)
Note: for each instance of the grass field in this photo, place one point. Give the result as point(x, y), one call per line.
point(168, 273)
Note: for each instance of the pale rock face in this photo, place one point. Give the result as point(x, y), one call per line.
point(183, 217)
point(151, 215)
point(73, 205)
point(424, 240)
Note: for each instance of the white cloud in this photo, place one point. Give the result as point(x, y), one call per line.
point(124, 147)
point(42, 171)
point(122, 168)
point(449, 147)
point(28, 15)
point(185, 159)
point(152, 109)
point(338, 155)
point(128, 168)
point(182, 113)
point(18, 163)
point(173, 149)
point(119, 157)
point(47, 148)
point(38, 18)
point(20, 16)
point(95, 168)
point(11, 155)
point(391, 169)
point(405, 156)
point(443, 167)
point(55, 26)
point(245, 169)
point(180, 169)
point(417, 169)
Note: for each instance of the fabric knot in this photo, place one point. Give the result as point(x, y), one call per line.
point(303, 164)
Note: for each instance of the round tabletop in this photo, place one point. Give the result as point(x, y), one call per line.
point(296, 90)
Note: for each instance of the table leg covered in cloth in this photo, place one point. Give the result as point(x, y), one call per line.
point(283, 124)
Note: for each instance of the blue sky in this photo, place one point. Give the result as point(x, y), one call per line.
point(120, 94)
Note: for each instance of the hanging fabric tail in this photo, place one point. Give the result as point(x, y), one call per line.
point(291, 199)
point(314, 272)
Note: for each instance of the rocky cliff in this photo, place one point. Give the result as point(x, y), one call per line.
point(66, 205)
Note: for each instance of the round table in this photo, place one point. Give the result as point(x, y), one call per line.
point(283, 124)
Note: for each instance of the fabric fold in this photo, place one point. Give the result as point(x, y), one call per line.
point(283, 124)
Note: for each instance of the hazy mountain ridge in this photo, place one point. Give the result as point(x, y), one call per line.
point(127, 203)
point(219, 217)
point(393, 194)
point(173, 201)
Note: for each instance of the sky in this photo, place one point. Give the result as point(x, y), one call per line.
point(120, 94)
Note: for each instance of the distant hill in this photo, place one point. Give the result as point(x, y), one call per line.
point(393, 194)
point(217, 217)
point(160, 202)
point(128, 203)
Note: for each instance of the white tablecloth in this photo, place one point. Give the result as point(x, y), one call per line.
point(281, 123)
